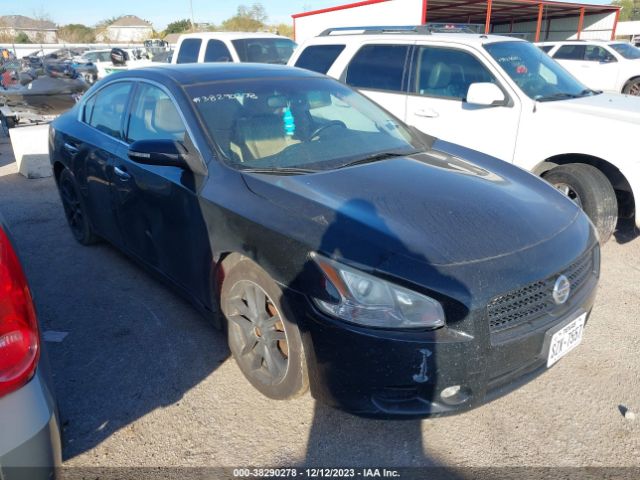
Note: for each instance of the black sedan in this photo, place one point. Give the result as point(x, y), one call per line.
point(393, 273)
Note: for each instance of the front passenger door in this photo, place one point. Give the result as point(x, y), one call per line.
point(157, 206)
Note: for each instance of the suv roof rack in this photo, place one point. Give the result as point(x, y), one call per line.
point(426, 29)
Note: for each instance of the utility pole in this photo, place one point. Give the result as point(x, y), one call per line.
point(193, 23)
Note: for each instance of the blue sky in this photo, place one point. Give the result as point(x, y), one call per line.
point(160, 12)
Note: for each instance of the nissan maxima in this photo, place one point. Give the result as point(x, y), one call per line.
point(392, 273)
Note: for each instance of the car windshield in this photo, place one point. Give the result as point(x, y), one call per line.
point(264, 50)
point(538, 75)
point(278, 124)
point(627, 50)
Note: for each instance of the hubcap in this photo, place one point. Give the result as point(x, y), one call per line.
point(72, 208)
point(568, 191)
point(257, 333)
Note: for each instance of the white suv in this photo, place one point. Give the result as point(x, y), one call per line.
point(205, 47)
point(608, 66)
point(501, 96)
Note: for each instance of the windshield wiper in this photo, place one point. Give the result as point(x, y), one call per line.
point(564, 95)
point(279, 170)
point(376, 157)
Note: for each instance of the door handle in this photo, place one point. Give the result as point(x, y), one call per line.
point(121, 173)
point(70, 148)
point(426, 112)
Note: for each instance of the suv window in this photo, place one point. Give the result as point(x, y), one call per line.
point(570, 52)
point(446, 72)
point(545, 48)
point(189, 49)
point(319, 58)
point(108, 109)
point(216, 51)
point(595, 53)
point(378, 67)
point(154, 116)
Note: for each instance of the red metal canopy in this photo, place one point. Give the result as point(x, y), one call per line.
point(495, 12)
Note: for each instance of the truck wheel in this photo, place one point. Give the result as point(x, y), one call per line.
point(590, 189)
point(265, 343)
point(632, 88)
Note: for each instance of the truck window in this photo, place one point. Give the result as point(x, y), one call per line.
point(189, 50)
point(216, 51)
point(319, 58)
point(378, 67)
point(570, 52)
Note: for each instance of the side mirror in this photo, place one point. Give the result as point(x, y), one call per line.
point(485, 94)
point(167, 153)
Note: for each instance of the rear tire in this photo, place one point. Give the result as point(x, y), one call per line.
point(74, 209)
point(632, 88)
point(264, 341)
point(591, 190)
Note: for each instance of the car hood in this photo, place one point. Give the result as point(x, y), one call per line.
point(625, 108)
point(432, 207)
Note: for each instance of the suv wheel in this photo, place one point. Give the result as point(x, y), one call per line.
point(74, 209)
point(265, 343)
point(590, 189)
point(632, 88)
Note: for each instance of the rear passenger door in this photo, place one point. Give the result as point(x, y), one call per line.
point(380, 71)
point(104, 114)
point(440, 80)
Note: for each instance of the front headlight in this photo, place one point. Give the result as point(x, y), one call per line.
point(367, 300)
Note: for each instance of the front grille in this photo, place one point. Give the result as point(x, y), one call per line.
point(536, 299)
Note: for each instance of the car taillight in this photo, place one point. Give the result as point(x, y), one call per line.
point(19, 340)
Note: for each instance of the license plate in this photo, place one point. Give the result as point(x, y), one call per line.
point(566, 339)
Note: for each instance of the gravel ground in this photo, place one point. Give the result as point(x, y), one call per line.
point(143, 380)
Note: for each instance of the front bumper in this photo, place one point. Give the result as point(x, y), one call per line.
point(399, 374)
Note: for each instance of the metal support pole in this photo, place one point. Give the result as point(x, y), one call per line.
point(539, 27)
point(581, 22)
point(487, 23)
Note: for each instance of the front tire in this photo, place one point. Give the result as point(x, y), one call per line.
point(632, 88)
point(591, 190)
point(74, 209)
point(263, 339)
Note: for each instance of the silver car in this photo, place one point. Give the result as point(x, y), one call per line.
point(29, 425)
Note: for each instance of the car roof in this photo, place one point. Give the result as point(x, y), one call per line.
point(194, 73)
point(231, 35)
point(435, 37)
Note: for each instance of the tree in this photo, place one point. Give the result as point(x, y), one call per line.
point(283, 29)
point(247, 19)
point(77, 33)
point(179, 26)
point(630, 9)
point(22, 37)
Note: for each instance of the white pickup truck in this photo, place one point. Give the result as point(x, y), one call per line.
point(501, 96)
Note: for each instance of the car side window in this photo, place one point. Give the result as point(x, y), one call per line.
point(154, 116)
point(448, 73)
point(189, 50)
point(217, 51)
point(595, 53)
point(88, 109)
point(570, 52)
point(546, 48)
point(378, 67)
point(319, 58)
point(109, 107)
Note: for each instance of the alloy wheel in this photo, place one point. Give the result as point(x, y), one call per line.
point(569, 192)
point(256, 332)
point(72, 207)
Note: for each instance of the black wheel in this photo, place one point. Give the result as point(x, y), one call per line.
point(265, 343)
point(74, 209)
point(632, 88)
point(590, 189)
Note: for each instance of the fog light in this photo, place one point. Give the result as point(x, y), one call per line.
point(450, 392)
point(455, 395)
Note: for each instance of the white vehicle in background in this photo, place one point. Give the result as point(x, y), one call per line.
point(205, 47)
point(607, 66)
point(500, 96)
